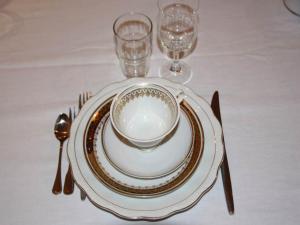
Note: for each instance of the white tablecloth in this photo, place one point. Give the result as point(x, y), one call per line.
point(249, 50)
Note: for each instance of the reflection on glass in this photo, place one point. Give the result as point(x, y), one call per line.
point(177, 36)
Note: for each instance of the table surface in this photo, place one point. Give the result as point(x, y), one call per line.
point(249, 50)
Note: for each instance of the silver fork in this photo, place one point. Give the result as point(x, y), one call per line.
point(82, 100)
point(69, 181)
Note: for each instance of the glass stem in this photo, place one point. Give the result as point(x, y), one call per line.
point(175, 66)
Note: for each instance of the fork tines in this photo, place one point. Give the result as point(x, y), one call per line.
point(83, 98)
point(79, 102)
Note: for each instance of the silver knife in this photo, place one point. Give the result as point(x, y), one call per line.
point(215, 105)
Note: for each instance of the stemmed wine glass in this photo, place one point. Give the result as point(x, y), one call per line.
point(177, 36)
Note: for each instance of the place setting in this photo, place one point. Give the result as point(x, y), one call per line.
point(146, 148)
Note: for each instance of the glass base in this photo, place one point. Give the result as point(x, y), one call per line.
point(179, 72)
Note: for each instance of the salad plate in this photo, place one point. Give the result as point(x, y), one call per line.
point(132, 206)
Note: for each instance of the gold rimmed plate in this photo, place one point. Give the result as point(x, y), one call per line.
point(150, 208)
point(135, 187)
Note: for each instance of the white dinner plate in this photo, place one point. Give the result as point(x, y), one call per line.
point(162, 206)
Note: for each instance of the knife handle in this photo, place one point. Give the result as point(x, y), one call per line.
point(69, 182)
point(227, 182)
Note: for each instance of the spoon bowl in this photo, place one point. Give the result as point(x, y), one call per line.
point(62, 127)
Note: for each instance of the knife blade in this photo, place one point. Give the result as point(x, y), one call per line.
point(215, 105)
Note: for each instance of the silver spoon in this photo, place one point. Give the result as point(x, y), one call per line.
point(62, 132)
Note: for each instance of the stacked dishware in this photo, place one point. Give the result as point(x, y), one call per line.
point(145, 148)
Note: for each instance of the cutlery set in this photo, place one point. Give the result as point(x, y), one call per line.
point(62, 132)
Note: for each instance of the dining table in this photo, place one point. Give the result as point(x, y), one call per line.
point(53, 50)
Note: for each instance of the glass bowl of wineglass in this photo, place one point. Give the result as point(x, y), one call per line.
point(177, 36)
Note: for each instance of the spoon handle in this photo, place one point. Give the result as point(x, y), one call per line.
point(69, 182)
point(56, 189)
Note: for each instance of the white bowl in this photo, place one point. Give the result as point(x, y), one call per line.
point(145, 114)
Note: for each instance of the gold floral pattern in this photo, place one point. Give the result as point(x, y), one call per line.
point(148, 92)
